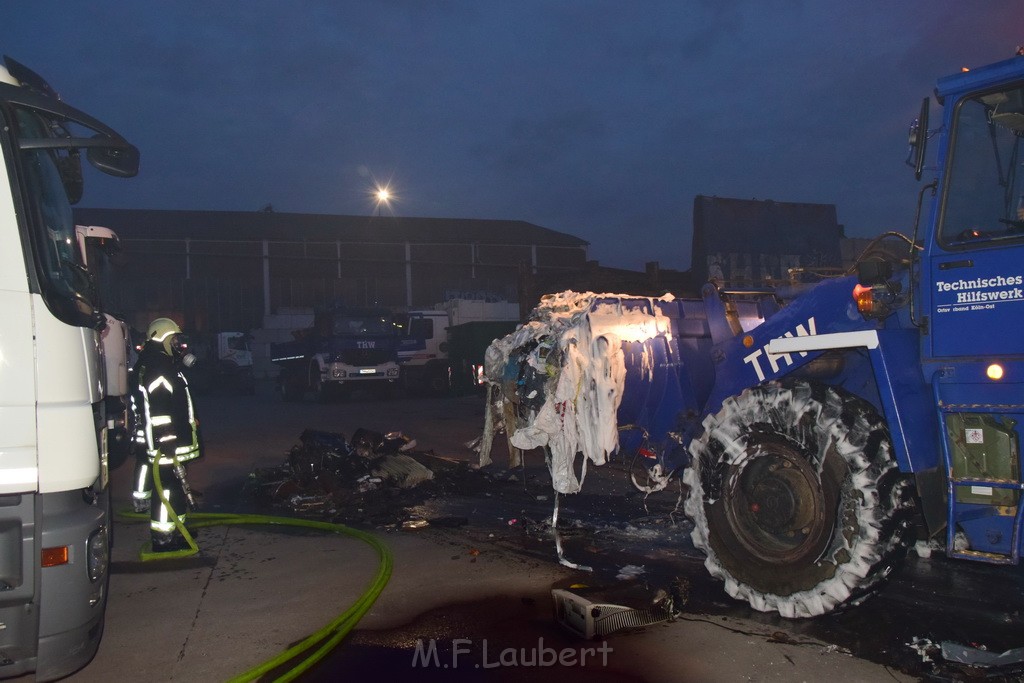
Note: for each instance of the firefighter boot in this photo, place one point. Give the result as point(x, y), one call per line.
point(165, 543)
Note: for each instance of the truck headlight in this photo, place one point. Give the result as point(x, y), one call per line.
point(98, 554)
point(392, 372)
point(338, 373)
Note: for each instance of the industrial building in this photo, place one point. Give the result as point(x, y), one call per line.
point(226, 270)
point(750, 242)
point(229, 270)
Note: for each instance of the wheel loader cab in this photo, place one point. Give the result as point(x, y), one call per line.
point(972, 294)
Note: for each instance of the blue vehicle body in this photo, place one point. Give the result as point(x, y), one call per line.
point(346, 347)
point(704, 360)
point(933, 343)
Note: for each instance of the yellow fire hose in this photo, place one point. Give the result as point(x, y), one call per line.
point(317, 644)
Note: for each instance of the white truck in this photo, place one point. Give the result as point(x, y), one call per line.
point(223, 360)
point(54, 500)
point(443, 348)
point(97, 244)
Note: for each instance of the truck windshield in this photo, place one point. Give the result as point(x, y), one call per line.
point(62, 275)
point(362, 325)
point(985, 182)
point(238, 343)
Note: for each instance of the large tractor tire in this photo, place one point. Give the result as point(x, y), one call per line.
point(796, 499)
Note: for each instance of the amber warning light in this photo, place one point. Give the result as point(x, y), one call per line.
point(865, 301)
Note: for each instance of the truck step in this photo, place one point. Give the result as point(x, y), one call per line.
point(981, 407)
point(991, 558)
point(972, 481)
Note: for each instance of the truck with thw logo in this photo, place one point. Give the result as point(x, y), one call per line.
point(345, 349)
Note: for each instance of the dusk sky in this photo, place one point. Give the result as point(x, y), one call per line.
point(599, 119)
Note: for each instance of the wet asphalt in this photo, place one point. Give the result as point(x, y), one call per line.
point(608, 526)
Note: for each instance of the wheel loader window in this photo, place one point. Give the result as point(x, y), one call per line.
point(984, 191)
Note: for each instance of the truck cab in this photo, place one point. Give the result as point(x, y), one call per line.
point(98, 245)
point(346, 348)
point(54, 498)
point(971, 295)
point(443, 348)
point(423, 350)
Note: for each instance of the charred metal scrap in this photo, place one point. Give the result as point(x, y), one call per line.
point(325, 474)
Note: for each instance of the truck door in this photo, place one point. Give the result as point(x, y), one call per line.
point(976, 262)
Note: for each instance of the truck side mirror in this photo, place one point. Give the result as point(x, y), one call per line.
point(119, 160)
point(919, 139)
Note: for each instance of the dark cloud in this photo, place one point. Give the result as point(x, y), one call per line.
point(595, 117)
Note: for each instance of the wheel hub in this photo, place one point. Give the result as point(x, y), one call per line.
point(773, 505)
point(776, 506)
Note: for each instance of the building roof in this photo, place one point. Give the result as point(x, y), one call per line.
point(271, 225)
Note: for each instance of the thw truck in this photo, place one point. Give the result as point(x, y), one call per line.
point(818, 426)
point(345, 348)
point(54, 502)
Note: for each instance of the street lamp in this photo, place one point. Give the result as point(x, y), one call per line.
point(383, 197)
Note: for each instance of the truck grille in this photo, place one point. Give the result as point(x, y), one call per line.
point(365, 357)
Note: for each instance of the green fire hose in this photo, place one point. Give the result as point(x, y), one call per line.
point(317, 644)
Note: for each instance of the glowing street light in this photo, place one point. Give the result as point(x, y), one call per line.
point(384, 197)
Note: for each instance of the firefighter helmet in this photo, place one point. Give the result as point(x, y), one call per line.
point(162, 331)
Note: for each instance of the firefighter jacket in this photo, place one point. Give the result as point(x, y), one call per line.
point(165, 418)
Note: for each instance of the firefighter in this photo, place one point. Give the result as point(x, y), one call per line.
point(166, 430)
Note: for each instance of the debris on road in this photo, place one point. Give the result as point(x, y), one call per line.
point(380, 479)
point(980, 656)
point(630, 572)
point(371, 478)
point(402, 471)
point(951, 660)
point(585, 613)
point(415, 524)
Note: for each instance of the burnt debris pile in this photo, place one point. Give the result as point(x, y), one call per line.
point(372, 478)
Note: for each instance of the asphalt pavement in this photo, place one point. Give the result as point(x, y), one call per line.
point(483, 607)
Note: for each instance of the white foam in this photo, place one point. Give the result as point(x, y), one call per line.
point(585, 384)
